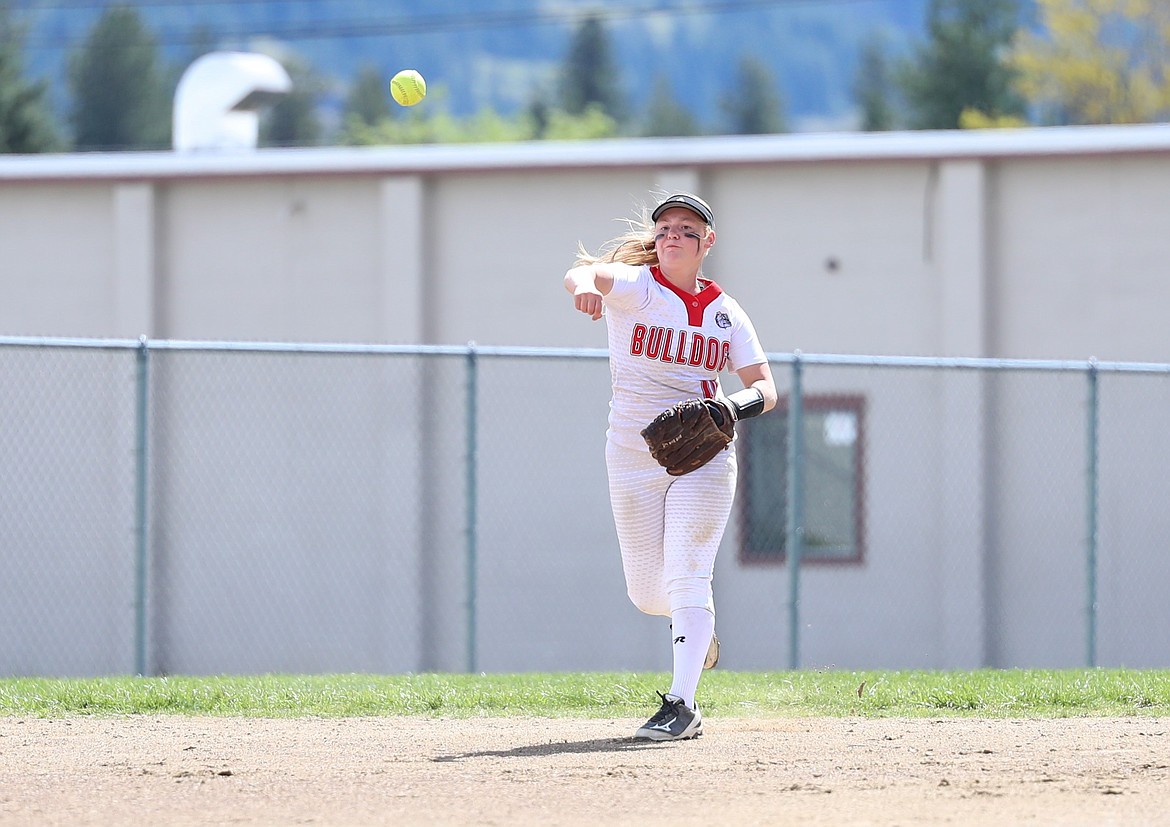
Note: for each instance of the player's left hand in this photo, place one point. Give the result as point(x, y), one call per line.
point(689, 434)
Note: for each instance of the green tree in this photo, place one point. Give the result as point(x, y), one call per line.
point(963, 65)
point(434, 125)
point(120, 94)
point(589, 76)
point(591, 124)
point(874, 88)
point(1097, 61)
point(664, 116)
point(26, 124)
point(539, 112)
point(757, 106)
point(369, 97)
point(293, 121)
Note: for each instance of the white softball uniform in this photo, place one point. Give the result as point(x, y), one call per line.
point(666, 346)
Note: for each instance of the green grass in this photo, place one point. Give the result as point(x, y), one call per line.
point(985, 693)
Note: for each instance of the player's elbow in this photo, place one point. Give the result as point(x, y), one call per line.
point(576, 277)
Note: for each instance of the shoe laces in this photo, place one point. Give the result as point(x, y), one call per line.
point(668, 709)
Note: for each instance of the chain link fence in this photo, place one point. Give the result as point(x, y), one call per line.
point(215, 508)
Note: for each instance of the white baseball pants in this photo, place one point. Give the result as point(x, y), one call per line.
point(669, 528)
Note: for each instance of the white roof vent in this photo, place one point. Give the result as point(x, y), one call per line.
point(218, 100)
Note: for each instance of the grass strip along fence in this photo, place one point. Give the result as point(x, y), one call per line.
point(982, 693)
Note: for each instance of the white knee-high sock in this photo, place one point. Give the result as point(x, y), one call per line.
point(691, 631)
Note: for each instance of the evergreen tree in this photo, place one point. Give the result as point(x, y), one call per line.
point(293, 121)
point(757, 108)
point(539, 113)
point(962, 65)
point(589, 76)
point(119, 92)
point(874, 88)
point(369, 97)
point(26, 124)
point(664, 116)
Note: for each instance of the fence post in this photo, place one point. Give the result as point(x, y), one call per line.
point(1091, 516)
point(472, 413)
point(794, 539)
point(141, 481)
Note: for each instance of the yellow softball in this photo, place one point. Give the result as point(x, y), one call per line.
point(408, 87)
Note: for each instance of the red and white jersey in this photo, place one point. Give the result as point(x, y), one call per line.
point(666, 346)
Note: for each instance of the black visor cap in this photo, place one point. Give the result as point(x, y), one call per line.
point(690, 202)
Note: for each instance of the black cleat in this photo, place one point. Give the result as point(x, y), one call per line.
point(675, 721)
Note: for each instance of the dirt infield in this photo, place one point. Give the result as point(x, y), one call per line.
point(407, 771)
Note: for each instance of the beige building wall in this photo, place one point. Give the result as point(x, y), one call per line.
point(1021, 243)
point(1018, 244)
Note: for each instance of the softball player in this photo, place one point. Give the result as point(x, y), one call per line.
point(672, 331)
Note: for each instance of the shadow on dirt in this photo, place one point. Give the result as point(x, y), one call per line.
point(560, 748)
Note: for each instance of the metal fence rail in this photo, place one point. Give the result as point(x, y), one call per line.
point(196, 507)
point(1090, 369)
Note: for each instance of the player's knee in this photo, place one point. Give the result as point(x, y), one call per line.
point(648, 603)
point(690, 592)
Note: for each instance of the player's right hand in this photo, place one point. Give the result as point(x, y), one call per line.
point(588, 302)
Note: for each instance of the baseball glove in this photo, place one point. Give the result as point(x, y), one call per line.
point(689, 434)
